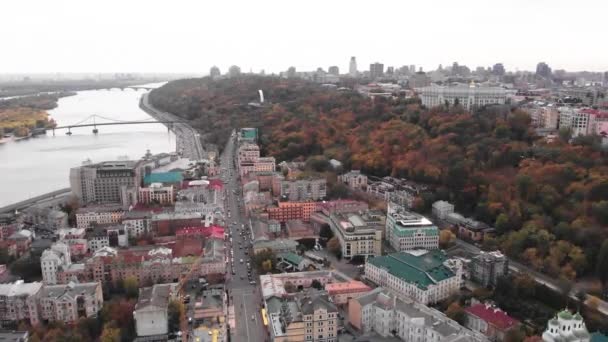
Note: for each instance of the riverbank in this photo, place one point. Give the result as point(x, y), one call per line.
point(188, 140)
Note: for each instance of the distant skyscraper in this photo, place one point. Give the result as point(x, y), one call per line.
point(352, 67)
point(498, 69)
point(214, 72)
point(390, 70)
point(334, 70)
point(412, 68)
point(234, 71)
point(291, 72)
point(543, 69)
point(376, 70)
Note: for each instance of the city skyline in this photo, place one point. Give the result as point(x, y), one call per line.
point(68, 36)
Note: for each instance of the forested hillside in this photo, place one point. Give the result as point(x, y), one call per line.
point(549, 201)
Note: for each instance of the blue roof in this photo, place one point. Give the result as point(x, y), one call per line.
point(598, 337)
point(163, 177)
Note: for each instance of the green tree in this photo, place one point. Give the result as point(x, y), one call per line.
point(316, 284)
point(131, 286)
point(110, 333)
point(600, 211)
point(502, 223)
point(333, 246)
point(177, 313)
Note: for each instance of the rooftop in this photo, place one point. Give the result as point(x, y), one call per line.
point(492, 315)
point(422, 270)
point(70, 290)
point(156, 296)
point(20, 288)
point(163, 177)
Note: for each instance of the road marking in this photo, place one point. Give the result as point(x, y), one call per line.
point(246, 317)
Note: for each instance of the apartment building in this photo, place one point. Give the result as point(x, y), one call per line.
point(156, 193)
point(441, 209)
point(44, 303)
point(304, 189)
point(309, 317)
point(286, 211)
point(76, 239)
point(423, 276)
point(354, 180)
point(359, 233)
point(137, 222)
point(341, 293)
point(487, 267)
point(102, 182)
point(389, 316)
point(248, 152)
point(69, 302)
point(52, 259)
point(468, 97)
point(583, 121)
point(86, 217)
point(152, 310)
point(406, 230)
point(19, 301)
point(213, 260)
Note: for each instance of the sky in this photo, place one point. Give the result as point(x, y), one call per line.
point(40, 36)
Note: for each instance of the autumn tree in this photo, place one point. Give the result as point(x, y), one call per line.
point(456, 312)
point(131, 286)
point(333, 246)
point(602, 265)
point(110, 333)
point(446, 238)
point(177, 314)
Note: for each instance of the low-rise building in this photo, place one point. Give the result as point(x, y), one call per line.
point(277, 246)
point(274, 285)
point(441, 209)
point(309, 317)
point(359, 233)
point(566, 326)
point(19, 301)
point(137, 222)
point(101, 214)
point(354, 179)
point(406, 230)
point(292, 261)
point(341, 293)
point(424, 276)
point(285, 211)
point(490, 321)
point(156, 193)
point(387, 315)
point(487, 267)
point(53, 259)
point(468, 97)
point(70, 302)
point(312, 189)
point(213, 260)
point(152, 310)
point(14, 336)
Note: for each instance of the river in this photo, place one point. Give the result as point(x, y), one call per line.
point(41, 164)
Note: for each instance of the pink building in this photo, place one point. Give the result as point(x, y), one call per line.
point(213, 231)
point(342, 292)
point(490, 321)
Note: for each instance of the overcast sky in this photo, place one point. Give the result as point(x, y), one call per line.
point(192, 35)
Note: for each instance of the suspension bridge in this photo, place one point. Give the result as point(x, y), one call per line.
point(93, 121)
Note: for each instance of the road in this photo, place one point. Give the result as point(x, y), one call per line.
point(245, 297)
point(188, 140)
point(540, 278)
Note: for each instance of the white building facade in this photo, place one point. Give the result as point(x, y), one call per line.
point(467, 96)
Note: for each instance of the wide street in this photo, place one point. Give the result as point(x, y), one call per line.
point(245, 297)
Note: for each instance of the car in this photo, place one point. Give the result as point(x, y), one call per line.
point(253, 317)
point(241, 261)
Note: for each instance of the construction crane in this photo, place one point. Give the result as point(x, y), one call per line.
point(181, 290)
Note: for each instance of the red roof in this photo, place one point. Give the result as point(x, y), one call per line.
point(216, 184)
point(492, 315)
point(596, 112)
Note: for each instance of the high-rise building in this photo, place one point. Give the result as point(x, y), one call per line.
point(352, 67)
point(291, 72)
point(102, 183)
point(487, 267)
point(334, 70)
point(234, 71)
point(543, 70)
point(412, 68)
point(498, 69)
point(214, 72)
point(376, 70)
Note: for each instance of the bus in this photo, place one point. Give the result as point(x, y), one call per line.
point(264, 318)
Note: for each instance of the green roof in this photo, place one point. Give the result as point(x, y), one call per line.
point(403, 232)
point(291, 258)
point(422, 270)
point(564, 314)
point(163, 177)
point(249, 133)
